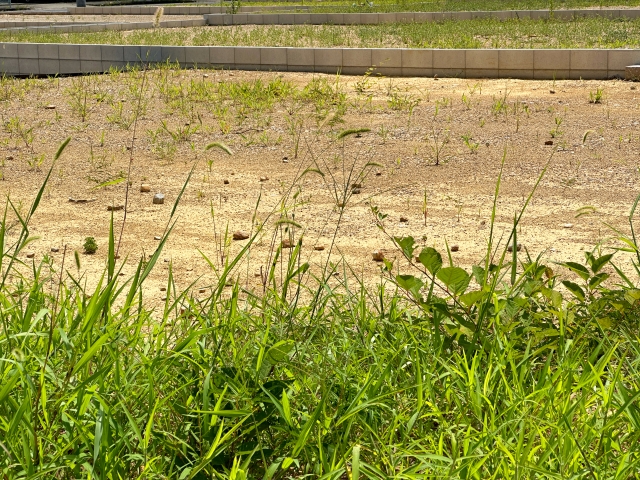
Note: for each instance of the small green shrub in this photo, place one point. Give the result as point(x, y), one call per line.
point(90, 246)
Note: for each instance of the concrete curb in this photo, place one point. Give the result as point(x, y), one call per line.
point(405, 17)
point(50, 59)
point(99, 27)
point(424, 16)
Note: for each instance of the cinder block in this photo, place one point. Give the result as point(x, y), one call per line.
point(214, 19)
point(173, 54)
point(618, 60)
point(388, 71)
point(423, 17)
point(331, 70)
point(386, 57)
point(318, 18)
point(482, 60)
point(10, 65)
point(270, 19)
point(132, 54)
point(302, 19)
point(90, 66)
point(369, 19)
point(48, 51)
point(538, 14)
point(387, 18)
point(552, 60)
point(247, 56)
point(551, 74)
point(27, 50)
point(462, 16)
point(526, 74)
point(356, 57)
point(481, 14)
point(516, 60)
point(588, 74)
point(112, 53)
point(630, 13)
point(351, 19)
point(522, 14)
point(151, 54)
point(28, 66)
point(8, 50)
point(197, 56)
point(449, 59)
point(354, 70)
point(68, 67)
point(335, 18)
point(301, 68)
point(90, 52)
point(482, 73)
point(301, 57)
point(222, 56)
point(417, 72)
point(286, 19)
point(49, 66)
point(240, 19)
point(109, 65)
point(255, 19)
point(565, 15)
point(405, 17)
point(69, 52)
point(273, 56)
point(449, 72)
point(417, 59)
point(327, 57)
point(588, 59)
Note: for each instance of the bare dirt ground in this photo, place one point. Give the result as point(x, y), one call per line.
point(468, 126)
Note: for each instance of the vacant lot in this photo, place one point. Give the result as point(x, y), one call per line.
point(283, 129)
point(479, 33)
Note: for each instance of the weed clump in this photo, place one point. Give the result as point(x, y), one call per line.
point(90, 246)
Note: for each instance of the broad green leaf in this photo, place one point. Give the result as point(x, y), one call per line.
point(455, 278)
point(598, 279)
point(431, 259)
point(279, 352)
point(471, 298)
point(598, 263)
point(575, 289)
point(406, 244)
point(554, 296)
point(410, 283)
point(579, 269)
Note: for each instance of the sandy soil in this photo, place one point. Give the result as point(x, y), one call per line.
point(597, 170)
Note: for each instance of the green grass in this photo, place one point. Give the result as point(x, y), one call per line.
point(499, 372)
point(485, 33)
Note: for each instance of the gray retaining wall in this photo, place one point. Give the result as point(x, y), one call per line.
point(52, 59)
point(366, 17)
point(99, 27)
point(381, 18)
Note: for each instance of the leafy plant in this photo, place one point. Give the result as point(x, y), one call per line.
point(90, 246)
point(597, 96)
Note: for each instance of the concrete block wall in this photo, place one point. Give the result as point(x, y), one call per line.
point(99, 27)
point(51, 59)
point(175, 10)
point(257, 18)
